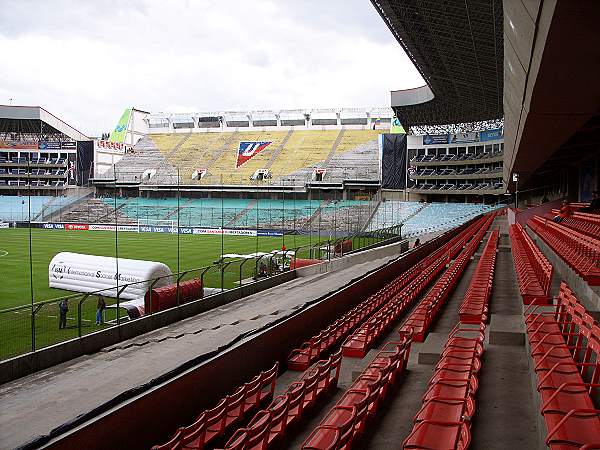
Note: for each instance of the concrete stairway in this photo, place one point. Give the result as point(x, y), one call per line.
point(278, 150)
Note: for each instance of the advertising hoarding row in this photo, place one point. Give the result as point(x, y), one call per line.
point(158, 229)
point(41, 145)
point(463, 138)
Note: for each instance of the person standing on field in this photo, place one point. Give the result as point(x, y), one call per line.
point(100, 310)
point(63, 309)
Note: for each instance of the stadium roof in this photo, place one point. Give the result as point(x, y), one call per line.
point(457, 46)
point(26, 119)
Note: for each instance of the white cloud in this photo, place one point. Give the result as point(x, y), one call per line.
point(87, 60)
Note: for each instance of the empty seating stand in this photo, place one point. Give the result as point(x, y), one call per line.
point(534, 271)
point(474, 308)
point(358, 344)
point(301, 358)
point(420, 319)
point(444, 420)
point(270, 426)
point(347, 420)
point(213, 423)
point(564, 342)
point(579, 251)
point(588, 224)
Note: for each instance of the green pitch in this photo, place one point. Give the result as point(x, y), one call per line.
point(194, 251)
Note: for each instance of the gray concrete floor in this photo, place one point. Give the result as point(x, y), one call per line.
point(506, 416)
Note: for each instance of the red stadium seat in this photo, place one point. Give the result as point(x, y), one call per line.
point(565, 346)
point(347, 420)
point(534, 271)
point(474, 308)
point(428, 435)
point(579, 251)
point(212, 423)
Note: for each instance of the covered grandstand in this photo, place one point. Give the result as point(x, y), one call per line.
point(484, 334)
point(310, 149)
point(41, 153)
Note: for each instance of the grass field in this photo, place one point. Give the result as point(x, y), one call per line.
point(195, 251)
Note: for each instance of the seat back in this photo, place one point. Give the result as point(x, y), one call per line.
point(215, 417)
point(235, 402)
point(258, 432)
point(279, 410)
point(195, 432)
point(268, 380)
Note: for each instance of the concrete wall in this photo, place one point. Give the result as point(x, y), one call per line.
point(391, 250)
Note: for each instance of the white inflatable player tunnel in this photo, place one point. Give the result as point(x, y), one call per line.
point(89, 273)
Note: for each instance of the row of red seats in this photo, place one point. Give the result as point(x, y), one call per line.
point(444, 420)
point(564, 343)
point(301, 358)
point(347, 420)
point(463, 237)
point(534, 271)
point(230, 411)
point(474, 308)
point(358, 344)
point(588, 224)
point(579, 251)
point(270, 425)
point(421, 318)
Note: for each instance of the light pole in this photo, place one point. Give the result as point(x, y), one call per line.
point(516, 180)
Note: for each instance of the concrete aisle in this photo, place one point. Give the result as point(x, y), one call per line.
point(395, 422)
point(506, 417)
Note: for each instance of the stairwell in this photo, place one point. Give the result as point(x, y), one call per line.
point(44, 209)
point(365, 227)
point(174, 211)
point(178, 145)
point(110, 215)
point(46, 215)
point(241, 214)
point(279, 149)
point(166, 164)
point(220, 151)
point(334, 147)
point(317, 214)
point(94, 210)
point(425, 205)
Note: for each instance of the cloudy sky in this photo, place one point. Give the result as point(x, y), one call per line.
point(86, 60)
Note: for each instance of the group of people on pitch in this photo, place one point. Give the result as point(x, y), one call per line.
point(63, 309)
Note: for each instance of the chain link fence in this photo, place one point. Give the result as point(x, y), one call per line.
point(254, 233)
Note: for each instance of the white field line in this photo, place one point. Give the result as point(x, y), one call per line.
point(28, 313)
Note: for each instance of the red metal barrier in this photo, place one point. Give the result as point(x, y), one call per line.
point(166, 297)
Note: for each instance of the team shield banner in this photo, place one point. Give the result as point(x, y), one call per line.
point(249, 149)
